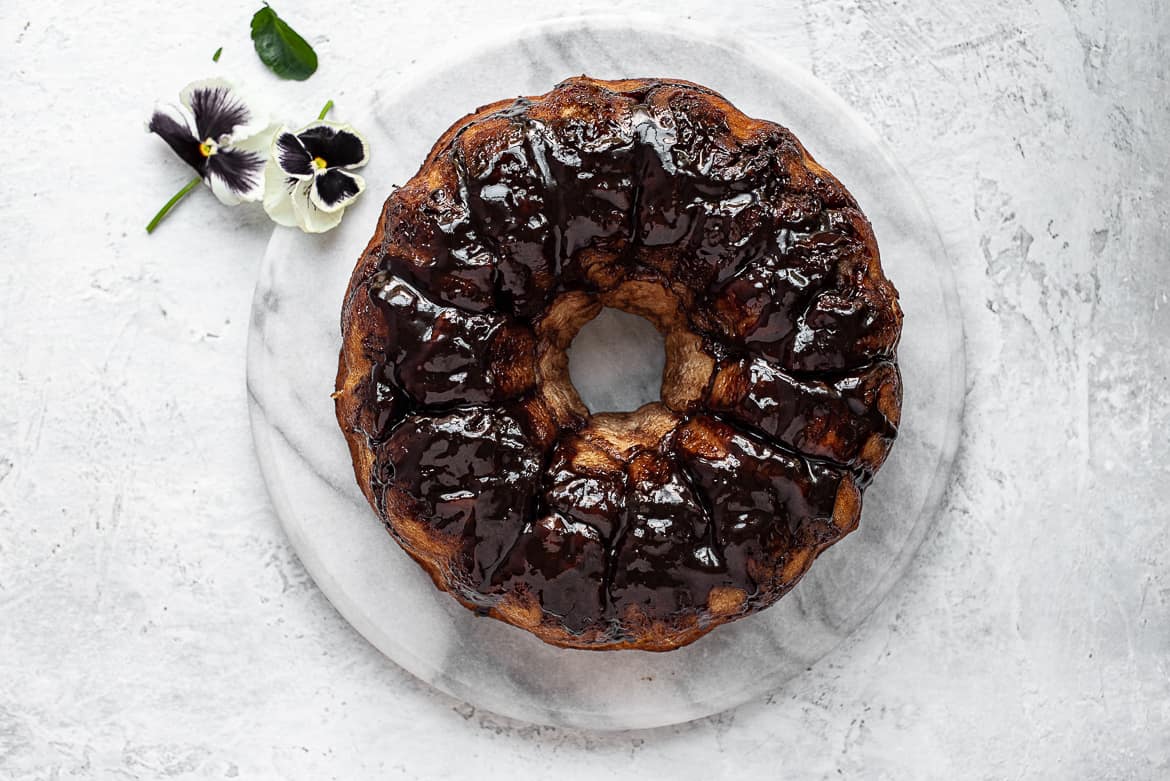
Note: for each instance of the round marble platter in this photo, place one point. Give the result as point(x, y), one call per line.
point(292, 360)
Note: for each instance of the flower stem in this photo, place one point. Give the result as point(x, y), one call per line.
point(180, 195)
point(325, 110)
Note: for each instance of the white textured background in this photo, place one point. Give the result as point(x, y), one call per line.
point(154, 623)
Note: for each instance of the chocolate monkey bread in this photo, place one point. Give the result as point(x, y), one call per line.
point(780, 396)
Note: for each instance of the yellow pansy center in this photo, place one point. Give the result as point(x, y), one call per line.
point(208, 148)
point(319, 163)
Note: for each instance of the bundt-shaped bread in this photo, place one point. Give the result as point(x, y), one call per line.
point(780, 397)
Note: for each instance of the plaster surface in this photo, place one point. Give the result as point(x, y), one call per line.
point(155, 623)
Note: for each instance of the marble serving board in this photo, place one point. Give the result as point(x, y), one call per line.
point(616, 363)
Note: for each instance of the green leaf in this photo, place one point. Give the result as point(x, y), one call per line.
point(215, 57)
point(280, 47)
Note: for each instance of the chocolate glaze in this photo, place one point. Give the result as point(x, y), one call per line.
point(562, 563)
point(442, 355)
point(434, 245)
point(770, 258)
point(669, 558)
point(834, 418)
point(472, 474)
point(764, 501)
point(436, 354)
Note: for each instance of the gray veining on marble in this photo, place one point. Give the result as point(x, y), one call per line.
point(154, 621)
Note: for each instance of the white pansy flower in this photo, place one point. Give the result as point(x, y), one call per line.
point(215, 132)
point(309, 178)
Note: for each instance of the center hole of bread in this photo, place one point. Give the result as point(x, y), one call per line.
point(616, 362)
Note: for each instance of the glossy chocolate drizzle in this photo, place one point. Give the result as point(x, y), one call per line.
point(772, 263)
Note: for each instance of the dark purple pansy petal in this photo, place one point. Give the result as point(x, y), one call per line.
point(338, 148)
point(217, 111)
point(292, 157)
point(239, 170)
point(179, 138)
point(335, 188)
